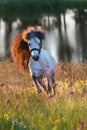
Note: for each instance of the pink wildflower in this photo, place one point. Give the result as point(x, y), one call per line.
point(7, 102)
point(51, 96)
point(16, 107)
point(1, 85)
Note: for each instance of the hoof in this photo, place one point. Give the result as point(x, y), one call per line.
point(39, 90)
point(49, 90)
point(50, 96)
point(45, 89)
point(54, 91)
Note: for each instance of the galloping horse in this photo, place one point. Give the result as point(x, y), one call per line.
point(27, 52)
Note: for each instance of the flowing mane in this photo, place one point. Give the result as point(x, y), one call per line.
point(20, 49)
point(27, 51)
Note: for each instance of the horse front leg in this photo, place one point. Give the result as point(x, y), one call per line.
point(37, 86)
point(42, 84)
point(49, 84)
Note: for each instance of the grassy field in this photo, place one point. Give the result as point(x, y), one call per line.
point(21, 108)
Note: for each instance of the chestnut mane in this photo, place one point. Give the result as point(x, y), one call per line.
point(20, 49)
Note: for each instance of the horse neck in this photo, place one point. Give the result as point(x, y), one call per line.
point(43, 52)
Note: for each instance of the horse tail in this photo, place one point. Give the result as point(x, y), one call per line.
point(20, 53)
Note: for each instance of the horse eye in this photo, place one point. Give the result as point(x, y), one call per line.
point(29, 35)
point(29, 44)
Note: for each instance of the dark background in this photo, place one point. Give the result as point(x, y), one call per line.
point(65, 22)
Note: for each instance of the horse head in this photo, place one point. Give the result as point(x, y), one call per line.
point(34, 39)
point(22, 43)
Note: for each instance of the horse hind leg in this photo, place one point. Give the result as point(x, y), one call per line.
point(53, 82)
point(49, 84)
point(37, 86)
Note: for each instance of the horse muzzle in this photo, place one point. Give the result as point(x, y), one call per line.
point(35, 57)
point(35, 54)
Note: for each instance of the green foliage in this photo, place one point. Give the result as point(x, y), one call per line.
point(43, 3)
point(22, 9)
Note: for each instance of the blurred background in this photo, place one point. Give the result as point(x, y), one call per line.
point(65, 22)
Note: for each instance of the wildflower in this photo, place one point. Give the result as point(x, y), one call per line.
point(44, 80)
point(54, 85)
point(81, 124)
point(11, 59)
point(57, 122)
point(71, 84)
point(6, 116)
point(47, 66)
point(16, 107)
point(50, 96)
point(71, 92)
point(33, 85)
point(74, 126)
point(62, 68)
point(1, 85)
point(7, 102)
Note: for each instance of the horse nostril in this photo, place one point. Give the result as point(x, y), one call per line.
point(36, 58)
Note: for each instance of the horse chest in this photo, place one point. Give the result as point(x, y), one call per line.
point(35, 67)
point(44, 65)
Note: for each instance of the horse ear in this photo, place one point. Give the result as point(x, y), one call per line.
point(40, 34)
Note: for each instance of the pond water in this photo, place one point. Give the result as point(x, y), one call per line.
point(66, 34)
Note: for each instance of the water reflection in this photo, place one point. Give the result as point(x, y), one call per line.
point(66, 40)
point(7, 34)
point(51, 43)
point(66, 35)
point(2, 38)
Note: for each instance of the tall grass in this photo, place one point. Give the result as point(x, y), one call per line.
point(21, 108)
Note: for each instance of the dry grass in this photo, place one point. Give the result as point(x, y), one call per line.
point(21, 108)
